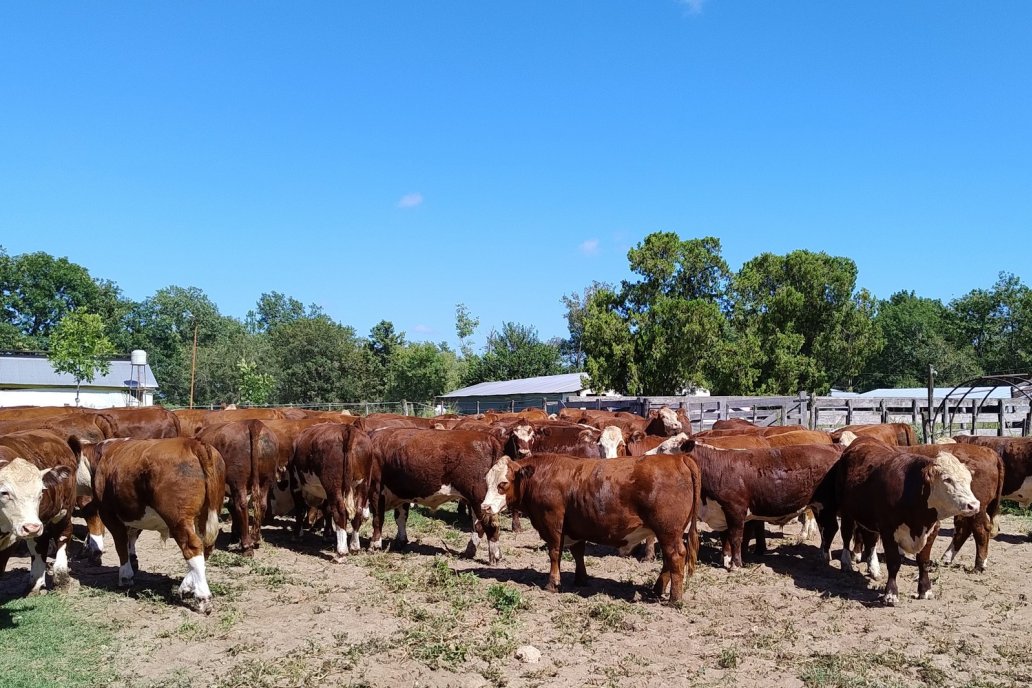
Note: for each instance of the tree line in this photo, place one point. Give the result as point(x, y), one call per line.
point(780, 324)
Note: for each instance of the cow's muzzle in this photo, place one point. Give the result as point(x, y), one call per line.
point(30, 529)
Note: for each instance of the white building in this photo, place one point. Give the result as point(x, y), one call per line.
point(30, 380)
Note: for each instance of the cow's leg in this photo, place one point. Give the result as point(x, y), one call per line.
point(95, 534)
point(120, 536)
point(580, 576)
point(259, 499)
point(5, 556)
point(493, 533)
point(555, 553)
point(870, 552)
point(38, 566)
point(963, 526)
point(376, 540)
point(62, 576)
point(650, 549)
point(828, 524)
point(242, 521)
point(674, 555)
point(846, 558)
point(401, 519)
point(924, 582)
point(735, 535)
point(893, 560)
point(517, 525)
point(474, 538)
point(982, 530)
point(759, 531)
point(338, 517)
point(132, 535)
point(300, 514)
point(195, 582)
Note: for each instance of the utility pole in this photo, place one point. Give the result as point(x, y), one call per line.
point(193, 363)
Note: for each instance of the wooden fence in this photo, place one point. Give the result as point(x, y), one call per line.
point(1003, 417)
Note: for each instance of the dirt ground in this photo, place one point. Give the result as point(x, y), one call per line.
point(427, 617)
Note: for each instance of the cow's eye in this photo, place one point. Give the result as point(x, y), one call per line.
point(5, 494)
point(948, 481)
point(502, 486)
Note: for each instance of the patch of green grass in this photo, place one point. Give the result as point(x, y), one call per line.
point(506, 599)
point(48, 641)
point(728, 658)
point(1013, 509)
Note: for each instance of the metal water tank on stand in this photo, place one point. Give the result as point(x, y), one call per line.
point(138, 374)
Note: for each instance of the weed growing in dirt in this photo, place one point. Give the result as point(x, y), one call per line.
point(728, 658)
point(506, 599)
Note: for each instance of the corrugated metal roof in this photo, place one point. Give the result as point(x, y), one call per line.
point(545, 384)
point(36, 371)
point(1003, 392)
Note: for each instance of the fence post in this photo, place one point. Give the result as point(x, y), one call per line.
point(884, 412)
point(1002, 419)
point(1028, 421)
point(913, 412)
point(478, 407)
point(722, 409)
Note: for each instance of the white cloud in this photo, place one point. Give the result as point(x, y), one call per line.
point(422, 329)
point(693, 6)
point(411, 200)
point(589, 247)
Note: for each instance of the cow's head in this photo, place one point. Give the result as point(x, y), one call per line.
point(21, 487)
point(504, 485)
point(949, 483)
point(522, 437)
point(678, 444)
point(847, 438)
point(610, 441)
point(669, 420)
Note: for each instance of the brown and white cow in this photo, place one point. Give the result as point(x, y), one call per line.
point(173, 486)
point(37, 495)
point(331, 468)
point(253, 465)
point(1016, 453)
point(431, 468)
point(618, 502)
point(900, 497)
point(899, 434)
point(774, 485)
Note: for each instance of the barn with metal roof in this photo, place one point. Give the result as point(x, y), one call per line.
point(516, 395)
point(30, 380)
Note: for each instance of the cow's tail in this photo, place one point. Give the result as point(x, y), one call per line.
point(214, 469)
point(909, 436)
point(693, 526)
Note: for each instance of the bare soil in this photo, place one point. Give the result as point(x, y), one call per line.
point(289, 616)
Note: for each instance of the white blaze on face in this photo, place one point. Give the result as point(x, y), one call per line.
point(671, 445)
point(524, 434)
point(497, 480)
point(610, 441)
point(847, 438)
point(671, 422)
point(21, 486)
point(950, 493)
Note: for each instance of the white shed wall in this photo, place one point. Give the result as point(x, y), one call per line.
point(66, 397)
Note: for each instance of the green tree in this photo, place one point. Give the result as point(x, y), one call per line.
point(274, 309)
point(465, 325)
point(419, 372)
point(255, 387)
point(320, 361)
point(996, 324)
point(79, 348)
point(917, 332)
point(572, 348)
point(37, 290)
point(658, 334)
point(809, 327)
point(514, 352)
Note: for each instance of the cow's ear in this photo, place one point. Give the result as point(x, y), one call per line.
point(544, 432)
point(637, 436)
point(52, 477)
point(525, 472)
point(688, 445)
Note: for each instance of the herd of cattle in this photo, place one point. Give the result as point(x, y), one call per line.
point(613, 479)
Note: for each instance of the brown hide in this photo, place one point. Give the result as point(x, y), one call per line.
point(882, 490)
point(182, 480)
point(987, 473)
point(1016, 453)
point(190, 420)
point(787, 439)
point(415, 464)
point(82, 426)
point(899, 434)
point(774, 484)
point(146, 423)
point(336, 459)
point(733, 424)
point(252, 456)
point(46, 450)
point(614, 502)
point(379, 421)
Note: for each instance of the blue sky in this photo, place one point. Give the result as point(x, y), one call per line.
point(389, 160)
